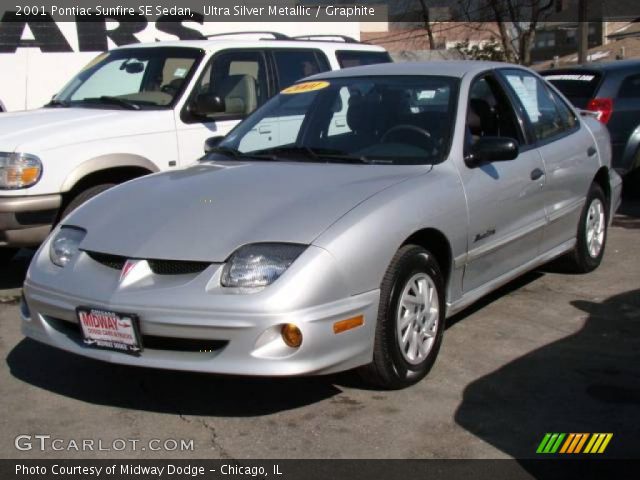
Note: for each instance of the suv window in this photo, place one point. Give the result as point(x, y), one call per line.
point(354, 58)
point(577, 85)
point(292, 65)
point(538, 104)
point(630, 88)
point(238, 78)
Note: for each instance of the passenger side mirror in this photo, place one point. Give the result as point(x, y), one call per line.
point(212, 142)
point(205, 104)
point(492, 149)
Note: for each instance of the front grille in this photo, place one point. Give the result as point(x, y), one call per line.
point(150, 342)
point(159, 267)
point(176, 267)
point(111, 261)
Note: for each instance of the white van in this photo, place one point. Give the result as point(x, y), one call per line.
point(141, 109)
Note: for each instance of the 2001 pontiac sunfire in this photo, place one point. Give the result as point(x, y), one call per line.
point(337, 227)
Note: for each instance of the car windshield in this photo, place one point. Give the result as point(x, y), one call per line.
point(577, 85)
point(379, 120)
point(137, 78)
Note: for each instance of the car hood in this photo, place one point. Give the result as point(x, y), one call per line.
point(34, 131)
point(205, 212)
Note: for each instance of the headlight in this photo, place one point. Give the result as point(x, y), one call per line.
point(260, 264)
point(64, 246)
point(19, 170)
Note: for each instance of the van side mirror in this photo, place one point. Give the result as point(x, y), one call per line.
point(492, 149)
point(206, 104)
point(211, 143)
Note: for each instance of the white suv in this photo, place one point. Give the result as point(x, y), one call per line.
point(142, 109)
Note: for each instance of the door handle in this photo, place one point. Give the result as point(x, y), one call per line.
point(591, 151)
point(536, 174)
point(264, 130)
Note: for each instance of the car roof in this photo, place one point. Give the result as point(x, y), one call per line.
point(617, 65)
point(211, 45)
point(447, 68)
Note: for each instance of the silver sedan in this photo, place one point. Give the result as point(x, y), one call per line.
point(337, 227)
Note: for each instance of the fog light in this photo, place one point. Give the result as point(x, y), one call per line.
point(291, 335)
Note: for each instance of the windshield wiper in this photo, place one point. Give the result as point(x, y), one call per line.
point(237, 154)
point(114, 101)
point(57, 103)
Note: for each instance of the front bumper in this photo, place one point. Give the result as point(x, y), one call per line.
point(26, 221)
point(235, 333)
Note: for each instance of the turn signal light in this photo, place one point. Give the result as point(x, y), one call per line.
point(348, 324)
point(291, 335)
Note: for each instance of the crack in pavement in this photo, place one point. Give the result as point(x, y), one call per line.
point(213, 434)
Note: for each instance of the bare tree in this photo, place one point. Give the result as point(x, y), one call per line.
point(518, 21)
point(427, 24)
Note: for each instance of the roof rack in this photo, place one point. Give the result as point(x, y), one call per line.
point(325, 38)
point(275, 35)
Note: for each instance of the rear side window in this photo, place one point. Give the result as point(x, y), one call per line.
point(577, 85)
point(354, 58)
point(538, 104)
point(292, 65)
point(630, 87)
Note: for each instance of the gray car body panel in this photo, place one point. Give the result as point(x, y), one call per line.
point(353, 219)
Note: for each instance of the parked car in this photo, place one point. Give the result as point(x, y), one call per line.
point(612, 91)
point(334, 247)
point(143, 109)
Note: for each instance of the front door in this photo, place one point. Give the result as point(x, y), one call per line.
point(505, 199)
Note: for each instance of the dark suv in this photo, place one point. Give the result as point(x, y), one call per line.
point(612, 91)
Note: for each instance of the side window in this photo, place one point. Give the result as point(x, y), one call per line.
point(238, 78)
point(567, 115)
point(355, 58)
point(489, 113)
point(292, 65)
point(539, 106)
point(630, 87)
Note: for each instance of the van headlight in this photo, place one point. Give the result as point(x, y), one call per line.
point(65, 245)
point(19, 170)
point(259, 264)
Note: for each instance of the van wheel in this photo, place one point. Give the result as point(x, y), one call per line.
point(83, 196)
point(7, 254)
point(592, 233)
point(411, 320)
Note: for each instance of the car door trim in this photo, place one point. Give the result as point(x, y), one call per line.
point(565, 210)
point(491, 247)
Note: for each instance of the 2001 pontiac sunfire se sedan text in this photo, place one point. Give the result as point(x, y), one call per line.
point(379, 201)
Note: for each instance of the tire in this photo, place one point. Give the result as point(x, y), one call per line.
point(397, 364)
point(83, 196)
point(6, 254)
point(592, 232)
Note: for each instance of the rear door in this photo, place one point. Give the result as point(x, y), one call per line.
point(567, 149)
point(624, 120)
point(505, 199)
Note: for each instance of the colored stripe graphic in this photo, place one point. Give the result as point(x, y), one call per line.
point(574, 443)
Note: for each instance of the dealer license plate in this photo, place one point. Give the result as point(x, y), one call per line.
point(110, 330)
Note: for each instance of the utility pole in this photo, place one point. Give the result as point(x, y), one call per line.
point(583, 31)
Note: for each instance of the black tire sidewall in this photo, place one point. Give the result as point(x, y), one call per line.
point(586, 261)
point(85, 196)
point(416, 261)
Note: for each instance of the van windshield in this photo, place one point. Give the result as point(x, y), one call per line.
point(375, 119)
point(135, 78)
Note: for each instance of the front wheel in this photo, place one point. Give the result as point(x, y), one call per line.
point(410, 322)
point(592, 232)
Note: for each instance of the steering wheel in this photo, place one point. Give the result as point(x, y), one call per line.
point(411, 128)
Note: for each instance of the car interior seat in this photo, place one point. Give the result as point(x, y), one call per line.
point(239, 94)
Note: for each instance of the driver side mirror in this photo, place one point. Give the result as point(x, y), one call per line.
point(492, 149)
point(212, 142)
point(205, 104)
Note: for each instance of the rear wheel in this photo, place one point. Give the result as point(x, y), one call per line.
point(592, 232)
point(83, 196)
point(410, 321)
